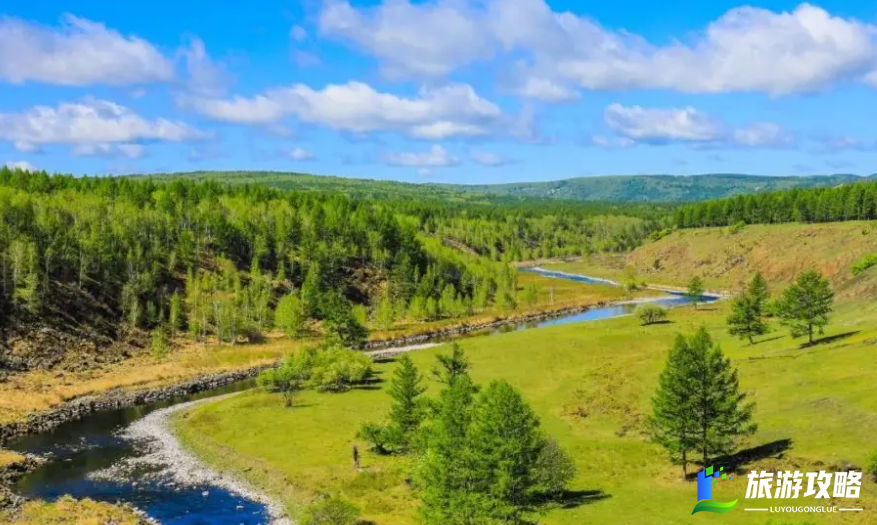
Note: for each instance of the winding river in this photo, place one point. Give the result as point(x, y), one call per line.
point(128, 455)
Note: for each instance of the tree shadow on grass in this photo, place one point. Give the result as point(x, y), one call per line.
point(830, 339)
point(737, 461)
point(570, 499)
point(769, 339)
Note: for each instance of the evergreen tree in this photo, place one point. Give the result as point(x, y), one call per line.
point(672, 421)
point(721, 413)
point(175, 316)
point(745, 320)
point(340, 324)
point(407, 410)
point(758, 292)
point(445, 470)
point(451, 366)
point(695, 291)
point(698, 406)
point(290, 315)
point(806, 305)
point(504, 446)
point(310, 291)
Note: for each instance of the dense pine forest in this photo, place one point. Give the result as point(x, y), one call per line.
point(848, 202)
point(109, 257)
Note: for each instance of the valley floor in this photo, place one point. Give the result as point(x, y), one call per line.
point(590, 384)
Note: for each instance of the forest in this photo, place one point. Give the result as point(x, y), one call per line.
point(848, 202)
point(217, 260)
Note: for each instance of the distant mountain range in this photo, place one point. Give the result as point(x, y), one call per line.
point(614, 188)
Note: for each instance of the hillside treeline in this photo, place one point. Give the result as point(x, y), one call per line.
point(843, 203)
point(213, 258)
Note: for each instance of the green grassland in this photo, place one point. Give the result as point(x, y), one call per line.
point(590, 384)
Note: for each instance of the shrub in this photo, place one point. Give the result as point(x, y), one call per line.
point(737, 227)
point(337, 369)
point(866, 262)
point(650, 314)
point(554, 468)
point(331, 511)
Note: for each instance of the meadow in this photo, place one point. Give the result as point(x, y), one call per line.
point(590, 383)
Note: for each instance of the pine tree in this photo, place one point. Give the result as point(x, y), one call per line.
point(451, 366)
point(758, 291)
point(745, 320)
point(695, 291)
point(445, 470)
point(504, 444)
point(721, 413)
point(290, 315)
point(806, 305)
point(698, 406)
point(672, 418)
point(311, 291)
point(407, 410)
point(175, 316)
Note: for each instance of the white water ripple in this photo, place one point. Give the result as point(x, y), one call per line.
point(168, 462)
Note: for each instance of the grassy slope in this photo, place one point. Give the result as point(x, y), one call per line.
point(35, 391)
point(821, 398)
point(725, 260)
point(67, 511)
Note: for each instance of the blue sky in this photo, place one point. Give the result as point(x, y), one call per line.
point(472, 91)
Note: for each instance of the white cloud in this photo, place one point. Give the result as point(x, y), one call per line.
point(762, 135)
point(486, 158)
point(355, 107)
point(637, 124)
point(746, 49)
point(423, 40)
point(436, 157)
point(204, 75)
point(20, 165)
point(546, 90)
point(659, 125)
point(79, 52)
point(300, 154)
point(91, 127)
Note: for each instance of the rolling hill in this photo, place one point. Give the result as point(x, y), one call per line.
point(621, 188)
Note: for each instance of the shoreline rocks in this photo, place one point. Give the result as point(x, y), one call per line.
point(81, 407)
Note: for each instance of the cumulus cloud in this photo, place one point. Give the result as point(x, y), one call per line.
point(436, 157)
point(20, 165)
point(91, 127)
point(637, 124)
point(425, 40)
point(79, 52)
point(204, 75)
point(745, 49)
point(355, 107)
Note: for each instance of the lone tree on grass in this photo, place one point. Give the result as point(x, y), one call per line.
point(805, 305)
point(747, 311)
point(650, 314)
point(698, 407)
point(695, 291)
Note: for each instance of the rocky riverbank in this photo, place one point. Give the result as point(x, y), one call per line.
point(9, 474)
point(115, 399)
point(399, 345)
